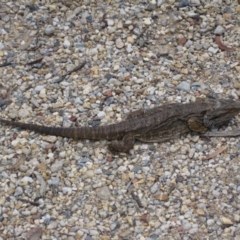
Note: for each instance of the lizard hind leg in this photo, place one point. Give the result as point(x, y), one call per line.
point(124, 145)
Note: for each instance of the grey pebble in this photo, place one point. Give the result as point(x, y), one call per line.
point(194, 3)
point(219, 30)
point(114, 225)
point(184, 86)
point(197, 85)
point(103, 193)
point(151, 7)
point(210, 222)
point(114, 82)
point(49, 30)
point(154, 187)
point(238, 189)
point(1, 46)
point(159, 3)
point(18, 191)
point(183, 3)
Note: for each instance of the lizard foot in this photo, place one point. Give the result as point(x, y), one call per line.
point(124, 145)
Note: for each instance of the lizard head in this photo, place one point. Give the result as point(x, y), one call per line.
point(223, 112)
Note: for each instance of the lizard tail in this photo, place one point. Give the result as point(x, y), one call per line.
point(93, 133)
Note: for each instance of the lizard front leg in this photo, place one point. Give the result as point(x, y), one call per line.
point(124, 145)
point(196, 125)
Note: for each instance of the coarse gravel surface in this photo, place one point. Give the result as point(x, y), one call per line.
point(91, 62)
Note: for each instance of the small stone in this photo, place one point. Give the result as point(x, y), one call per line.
point(57, 166)
point(114, 225)
point(49, 30)
point(50, 139)
point(199, 84)
point(184, 71)
point(101, 115)
point(52, 7)
point(26, 179)
point(48, 76)
point(186, 225)
point(66, 43)
point(226, 221)
point(236, 218)
point(210, 222)
point(15, 142)
point(63, 223)
point(1, 46)
point(154, 188)
point(219, 30)
point(130, 40)
point(194, 3)
point(122, 169)
point(15, 212)
point(184, 86)
point(184, 209)
point(162, 197)
point(18, 191)
point(151, 7)
point(39, 88)
point(129, 48)
point(93, 52)
point(120, 25)
point(183, 3)
point(213, 50)
point(200, 212)
point(67, 190)
point(236, 84)
point(237, 8)
point(77, 10)
point(23, 113)
point(119, 43)
point(107, 93)
point(103, 193)
point(110, 22)
point(147, 21)
point(159, 3)
point(70, 67)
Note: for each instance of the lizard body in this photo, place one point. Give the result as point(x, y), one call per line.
point(158, 124)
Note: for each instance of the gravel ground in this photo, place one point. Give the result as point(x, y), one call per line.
point(129, 55)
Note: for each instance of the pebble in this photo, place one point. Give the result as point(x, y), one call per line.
point(219, 30)
point(66, 43)
point(210, 222)
point(101, 115)
point(194, 3)
point(160, 2)
point(67, 190)
point(103, 193)
point(226, 221)
point(213, 50)
point(184, 86)
point(119, 43)
point(57, 166)
point(183, 3)
point(147, 21)
point(154, 188)
point(49, 30)
point(129, 48)
point(18, 191)
point(1, 46)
